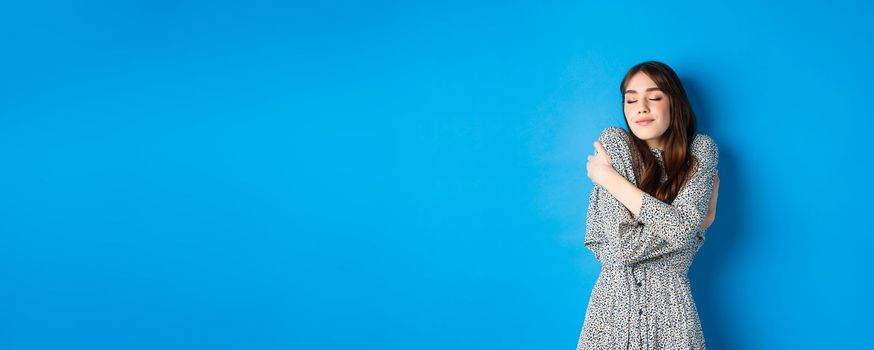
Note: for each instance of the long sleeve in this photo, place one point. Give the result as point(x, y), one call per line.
point(595, 239)
point(661, 228)
point(666, 228)
point(605, 213)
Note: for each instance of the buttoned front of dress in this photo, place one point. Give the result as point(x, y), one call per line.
point(642, 298)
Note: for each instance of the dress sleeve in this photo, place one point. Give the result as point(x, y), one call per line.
point(595, 239)
point(665, 228)
point(601, 216)
point(661, 228)
point(678, 222)
point(604, 212)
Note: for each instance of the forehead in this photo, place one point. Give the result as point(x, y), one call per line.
point(640, 82)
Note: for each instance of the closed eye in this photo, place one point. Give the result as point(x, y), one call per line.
point(652, 99)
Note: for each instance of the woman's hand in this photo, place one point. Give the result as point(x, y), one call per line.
point(711, 209)
point(599, 167)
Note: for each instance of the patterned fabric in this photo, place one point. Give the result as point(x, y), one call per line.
point(642, 298)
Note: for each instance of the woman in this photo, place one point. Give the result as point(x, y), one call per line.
point(653, 197)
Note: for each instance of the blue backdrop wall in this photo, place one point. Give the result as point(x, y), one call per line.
point(384, 175)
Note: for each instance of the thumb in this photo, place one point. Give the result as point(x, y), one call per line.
point(601, 151)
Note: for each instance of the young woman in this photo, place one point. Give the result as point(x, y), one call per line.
point(654, 195)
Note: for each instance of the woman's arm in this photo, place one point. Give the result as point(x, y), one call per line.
point(632, 197)
point(625, 192)
point(711, 208)
point(595, 239)
point(659, 228)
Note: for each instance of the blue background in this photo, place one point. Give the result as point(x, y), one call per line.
point(330, 175)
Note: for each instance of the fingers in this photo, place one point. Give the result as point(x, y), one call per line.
point(599, 149)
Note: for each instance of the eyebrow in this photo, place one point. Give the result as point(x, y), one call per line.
point(648, 89)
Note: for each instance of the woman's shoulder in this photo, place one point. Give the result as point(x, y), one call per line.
point(704, 147)
point(615, 141)
point(612, 134)
point(617, 144)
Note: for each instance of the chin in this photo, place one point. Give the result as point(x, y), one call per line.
point(648, 132)
point(644, 133)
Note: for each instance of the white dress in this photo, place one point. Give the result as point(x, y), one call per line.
point(642, 298)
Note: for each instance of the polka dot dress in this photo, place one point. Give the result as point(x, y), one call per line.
point(642, 298)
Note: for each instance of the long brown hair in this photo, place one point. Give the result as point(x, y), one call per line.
point(677, 156)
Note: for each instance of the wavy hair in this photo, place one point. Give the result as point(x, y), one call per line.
point(679, 163)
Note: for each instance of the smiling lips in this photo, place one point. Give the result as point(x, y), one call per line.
point(645, 121)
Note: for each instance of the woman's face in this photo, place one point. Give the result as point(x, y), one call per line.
point(644, 101)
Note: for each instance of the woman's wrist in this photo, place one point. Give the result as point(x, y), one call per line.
point(611, 181)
